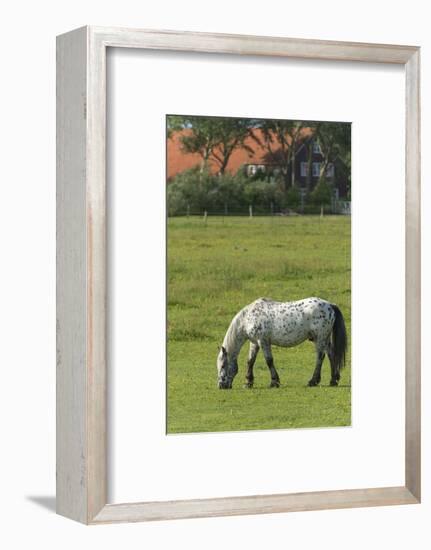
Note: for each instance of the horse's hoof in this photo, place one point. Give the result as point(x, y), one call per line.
point(333, 383)
point(312, 383)
point(274, 384)
point(248, 385)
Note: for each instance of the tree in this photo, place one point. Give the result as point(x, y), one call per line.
point(213, 138)
point(334, 140)
point(309, 147)
point(281, 139)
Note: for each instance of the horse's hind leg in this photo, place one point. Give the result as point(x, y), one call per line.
point(335, 373)
point(252, 354)
point(275, 380)
point(320, 356)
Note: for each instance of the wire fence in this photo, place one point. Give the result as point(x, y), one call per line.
point(337, 208)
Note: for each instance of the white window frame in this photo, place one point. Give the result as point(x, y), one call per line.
point(330, 170)
point(251, 170)
point(316, 148)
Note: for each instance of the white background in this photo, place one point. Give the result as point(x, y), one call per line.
point(300, 460)
point(28, 273)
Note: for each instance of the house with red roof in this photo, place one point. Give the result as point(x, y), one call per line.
point(255, 160)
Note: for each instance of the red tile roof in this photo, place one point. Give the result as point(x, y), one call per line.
point(178, 161)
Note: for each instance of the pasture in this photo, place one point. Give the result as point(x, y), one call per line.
point(214, 270)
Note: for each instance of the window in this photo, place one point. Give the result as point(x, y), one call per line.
point(316, 148)
point(330, 170)
point(316, 169)
point(304, 169)
point(253, 169)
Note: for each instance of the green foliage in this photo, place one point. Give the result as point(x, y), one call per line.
point(335, 142)
point(213, 138)
point(260, 194)
point(293, 197)
point(321, 195)
point(281, 138)
point(216, 269)
point(200, 190)
point(196, 191)
point(193, 188)
point(230, 190)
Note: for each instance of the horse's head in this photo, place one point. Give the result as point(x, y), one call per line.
point(224, 382)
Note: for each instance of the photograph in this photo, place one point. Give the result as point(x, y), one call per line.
point(258, 273)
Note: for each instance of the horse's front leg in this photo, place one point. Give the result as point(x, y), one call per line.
point(232, 372)
point(275, 380)
point(252, 354)
point(320, 355)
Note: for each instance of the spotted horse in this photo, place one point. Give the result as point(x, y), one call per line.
point(266, 322)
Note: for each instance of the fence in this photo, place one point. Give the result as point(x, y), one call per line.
point(336, 208)
point(342, 207)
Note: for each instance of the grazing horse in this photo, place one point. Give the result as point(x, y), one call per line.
point(265, 322)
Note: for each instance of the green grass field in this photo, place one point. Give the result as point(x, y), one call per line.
point(216, 269)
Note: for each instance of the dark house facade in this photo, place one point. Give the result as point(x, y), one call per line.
point(307, 170)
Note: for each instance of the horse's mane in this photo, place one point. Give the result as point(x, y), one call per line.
point(230, 341)
point(234, 337)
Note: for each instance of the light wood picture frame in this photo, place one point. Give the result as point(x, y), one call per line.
point(81, 274)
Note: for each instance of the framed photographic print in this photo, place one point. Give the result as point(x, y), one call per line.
point(238, 275)
point(257, 206)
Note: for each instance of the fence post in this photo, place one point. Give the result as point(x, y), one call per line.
point(321, 210)
point(250, 211)
point(205, 217)
point(188, 210)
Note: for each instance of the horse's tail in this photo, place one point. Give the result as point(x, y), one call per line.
point(339, 338)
